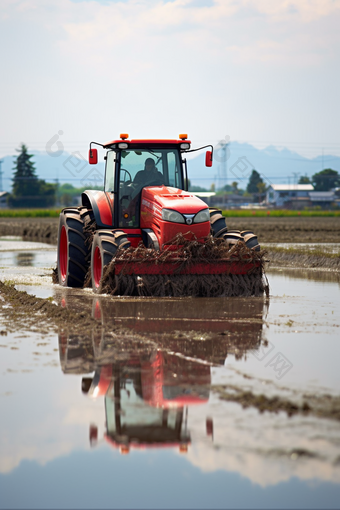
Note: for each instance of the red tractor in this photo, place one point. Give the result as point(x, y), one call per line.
point(145, 200)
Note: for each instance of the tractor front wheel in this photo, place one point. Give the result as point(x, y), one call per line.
point(104, 248)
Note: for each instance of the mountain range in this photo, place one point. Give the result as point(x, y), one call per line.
point(234, 163)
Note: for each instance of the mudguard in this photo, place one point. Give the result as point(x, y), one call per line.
point(101, 204)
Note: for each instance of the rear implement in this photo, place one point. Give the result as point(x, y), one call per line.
point(209, 269)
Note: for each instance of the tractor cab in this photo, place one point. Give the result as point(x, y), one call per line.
point(132, 165)
point(129, 171)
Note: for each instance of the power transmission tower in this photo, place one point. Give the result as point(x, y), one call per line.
point(1, 172)
point(222, 167)
point(296, 175)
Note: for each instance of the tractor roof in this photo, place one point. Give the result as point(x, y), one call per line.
point(124, 139)
point(182, 445)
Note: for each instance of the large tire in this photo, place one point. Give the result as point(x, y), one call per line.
point(104, 247)
point(73, 251)
point(218, 225)
point(251, 240)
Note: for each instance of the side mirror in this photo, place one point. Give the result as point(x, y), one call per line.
point(93, 435)
point(93, 156)
point(209, 427)
point(208, 158)
point(86, 384)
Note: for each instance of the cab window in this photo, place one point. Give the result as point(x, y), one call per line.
point(174, 170)
point(110, 171)
point(141, 168)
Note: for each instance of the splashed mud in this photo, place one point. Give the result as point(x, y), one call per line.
point(22, 311)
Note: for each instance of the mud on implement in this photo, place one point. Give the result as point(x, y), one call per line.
point(146, 235)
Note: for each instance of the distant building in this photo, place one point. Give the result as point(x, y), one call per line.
point(322, 198)
point(227, 201)
point(3, 199)
point(298, 196)
point(289, 195)
point(204, 195)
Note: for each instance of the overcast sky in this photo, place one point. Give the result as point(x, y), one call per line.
point(262, 71)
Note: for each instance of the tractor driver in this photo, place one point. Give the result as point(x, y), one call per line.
point(150, 174)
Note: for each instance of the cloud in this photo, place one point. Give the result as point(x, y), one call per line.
point(258, 446)
point(305, 10)
point(136, 32)
point(204, 62)
point(61, 430)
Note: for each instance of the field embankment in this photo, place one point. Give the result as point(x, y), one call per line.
point(298, 229)
point(304, 258)
point(290, 229)
point(295, 230)
point(38, 229)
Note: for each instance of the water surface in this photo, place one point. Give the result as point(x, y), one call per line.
point(132, 414)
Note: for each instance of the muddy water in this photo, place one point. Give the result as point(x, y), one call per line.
point(173, 402)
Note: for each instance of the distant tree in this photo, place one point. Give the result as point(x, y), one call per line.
point(234, 186)
point(46, 194)
point(69, 195)
point(24, 180)
point(68, 187)
point(261, 188)
point(326, 180)
point(197, 188)
point(27, 189)
point(66, 199)
point(254, 179)
point(212, 187)
point(304, 179)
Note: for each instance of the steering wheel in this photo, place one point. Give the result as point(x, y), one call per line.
point(126, 172)
point(137, 187)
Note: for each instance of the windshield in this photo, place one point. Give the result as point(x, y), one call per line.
point(138, 169)
point(133, 418)
point(148, 166)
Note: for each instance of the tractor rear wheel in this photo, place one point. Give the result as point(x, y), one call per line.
point(73, 251)
point(104, 248)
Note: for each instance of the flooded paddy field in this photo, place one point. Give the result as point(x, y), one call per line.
point(191, 403)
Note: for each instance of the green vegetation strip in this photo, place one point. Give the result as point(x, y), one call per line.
point(29, 213)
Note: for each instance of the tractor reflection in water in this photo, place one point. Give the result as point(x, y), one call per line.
point(146, 401)
point(151, 363)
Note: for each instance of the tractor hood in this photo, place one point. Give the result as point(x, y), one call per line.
point(166, 197)
point(157, 200)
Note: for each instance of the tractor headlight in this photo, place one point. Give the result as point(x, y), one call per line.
point(202, 216)
point(174, 216)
